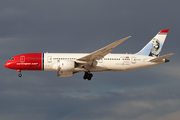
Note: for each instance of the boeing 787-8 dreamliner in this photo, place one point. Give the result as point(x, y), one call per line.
point(66, 64)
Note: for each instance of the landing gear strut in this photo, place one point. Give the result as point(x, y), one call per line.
point(18, 70)
point(87, 75)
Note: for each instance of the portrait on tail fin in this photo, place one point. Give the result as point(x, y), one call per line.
point(155, 51)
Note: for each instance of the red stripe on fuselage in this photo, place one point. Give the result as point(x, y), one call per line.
point(28, 61)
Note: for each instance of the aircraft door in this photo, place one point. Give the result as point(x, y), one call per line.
point(22, 58)
point(49, 59)
point(133, 60)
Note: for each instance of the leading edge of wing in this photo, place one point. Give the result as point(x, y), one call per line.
point(103, 51)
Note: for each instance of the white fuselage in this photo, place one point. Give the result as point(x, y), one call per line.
point(111, 62)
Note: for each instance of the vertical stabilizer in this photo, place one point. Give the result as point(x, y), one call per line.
point(153, 48)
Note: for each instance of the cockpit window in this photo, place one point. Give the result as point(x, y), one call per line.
point(11, 59)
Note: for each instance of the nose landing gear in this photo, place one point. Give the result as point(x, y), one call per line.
point(20, 75)
point(87, 75)
point(18, 70)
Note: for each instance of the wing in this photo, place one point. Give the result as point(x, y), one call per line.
point(97, 55)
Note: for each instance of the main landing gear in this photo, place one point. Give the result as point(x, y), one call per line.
point(87, 75)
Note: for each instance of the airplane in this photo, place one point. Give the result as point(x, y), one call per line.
point(67, 64)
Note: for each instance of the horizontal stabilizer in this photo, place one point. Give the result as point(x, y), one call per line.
point(161, 58)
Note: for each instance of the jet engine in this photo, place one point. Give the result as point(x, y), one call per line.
point(65, 65)
point(64, 73)
point(64, 68)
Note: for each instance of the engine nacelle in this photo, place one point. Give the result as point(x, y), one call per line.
point(66, 65)
point(64, 68)
point(64, 73)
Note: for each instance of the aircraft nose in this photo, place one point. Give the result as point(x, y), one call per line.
point(6, 64)
point(10, 65)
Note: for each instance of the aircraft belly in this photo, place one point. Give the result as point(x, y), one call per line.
point(117, 66)
point(98, 69)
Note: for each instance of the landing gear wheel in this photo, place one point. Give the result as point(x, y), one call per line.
point(84, 77)
point(90, 76)
point(87, 75)
point(20, 75)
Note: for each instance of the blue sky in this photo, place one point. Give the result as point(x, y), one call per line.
point(84, 26)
